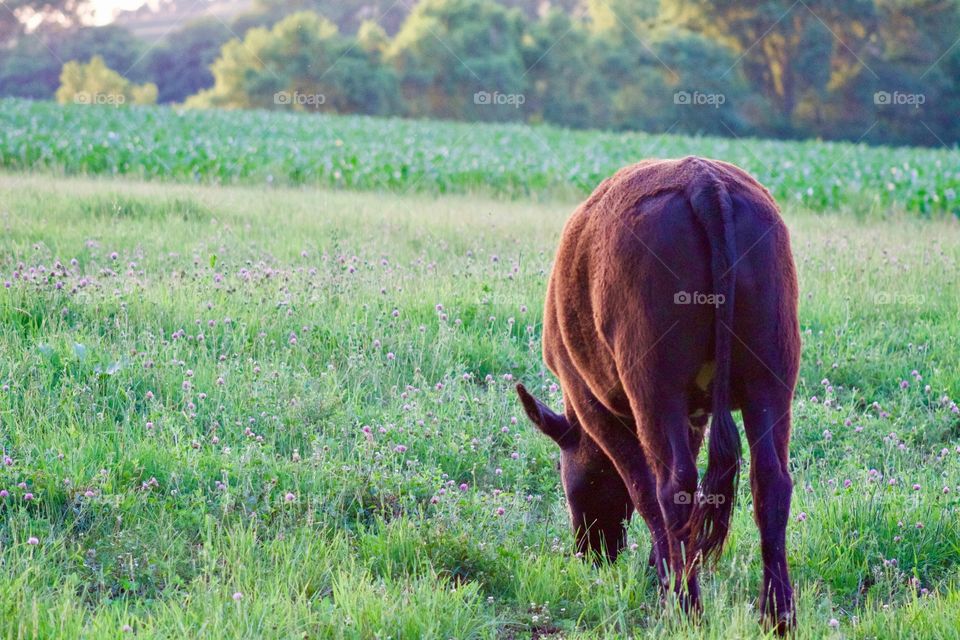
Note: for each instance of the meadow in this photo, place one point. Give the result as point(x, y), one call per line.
point(275, 412)
point(391, 154)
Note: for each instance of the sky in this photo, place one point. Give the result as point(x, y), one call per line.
point(104, 10)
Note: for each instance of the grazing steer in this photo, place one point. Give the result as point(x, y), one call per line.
point(674, 296)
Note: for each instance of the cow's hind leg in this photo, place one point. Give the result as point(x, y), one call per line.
point(766, 418)
point(665, 435)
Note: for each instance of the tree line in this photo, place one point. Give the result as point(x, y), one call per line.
point(882, 71)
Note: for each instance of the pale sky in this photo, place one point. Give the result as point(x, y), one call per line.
point(103, 11)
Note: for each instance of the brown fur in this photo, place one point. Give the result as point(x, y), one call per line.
point(632, 363)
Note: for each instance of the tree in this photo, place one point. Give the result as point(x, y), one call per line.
point(703, 91)
point(461, 59)
point(31, 68)
point(620, 19)
point(96, 83)
point(564, 86)
point(920, 72)
point(795, 56)
point(348, 15)
point(373, 38)
point(301, 63)
point(180, 66)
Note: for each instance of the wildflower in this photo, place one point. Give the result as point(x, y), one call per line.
point(237, 597)
point(802, 516)
point(289, 497)
point(500, 511)
point(33, 541)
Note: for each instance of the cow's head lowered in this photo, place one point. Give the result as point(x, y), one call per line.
point(598, 501)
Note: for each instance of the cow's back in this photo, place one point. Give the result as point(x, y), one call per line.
point(624, 256)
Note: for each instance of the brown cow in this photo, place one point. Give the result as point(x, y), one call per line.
point(674, 296)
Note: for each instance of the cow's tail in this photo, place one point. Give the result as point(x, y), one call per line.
point(710, 518)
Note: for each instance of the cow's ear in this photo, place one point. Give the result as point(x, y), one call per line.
point(552, 424)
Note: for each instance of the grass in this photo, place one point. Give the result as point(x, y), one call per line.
point(241, 413)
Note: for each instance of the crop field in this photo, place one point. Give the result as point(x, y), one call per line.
point(256, 381)
point(260, 148)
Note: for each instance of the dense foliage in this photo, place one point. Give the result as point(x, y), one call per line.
point(874, 70)
point(95, 83)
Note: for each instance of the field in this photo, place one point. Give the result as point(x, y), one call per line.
point(260, 148)
point(237, 411)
